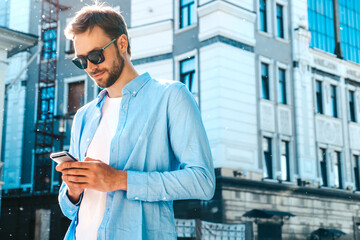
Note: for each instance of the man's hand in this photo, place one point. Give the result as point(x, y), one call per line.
point(93, 174)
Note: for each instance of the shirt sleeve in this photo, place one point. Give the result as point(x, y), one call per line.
point(68, 208)
point(195, 179)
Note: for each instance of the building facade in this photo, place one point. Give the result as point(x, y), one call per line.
point(277, 83)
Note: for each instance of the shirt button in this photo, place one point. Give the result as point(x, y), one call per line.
point(98, 114)
point(164, 198)
point(136, 198)
point(134, 92)
point(88, 139)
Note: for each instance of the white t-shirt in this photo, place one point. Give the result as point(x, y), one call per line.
point(92, 206)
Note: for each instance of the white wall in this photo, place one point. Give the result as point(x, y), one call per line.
point(221, 18)
point(228, 104)
point(150, 40)
point(145, 11)
point(158, 70)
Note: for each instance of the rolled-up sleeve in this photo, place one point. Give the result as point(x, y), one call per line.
point(68, 208)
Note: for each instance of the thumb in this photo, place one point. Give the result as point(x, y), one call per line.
point(89, 159)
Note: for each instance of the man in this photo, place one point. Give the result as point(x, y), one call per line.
point(141, 144)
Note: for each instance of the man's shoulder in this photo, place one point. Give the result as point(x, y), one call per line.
point(170, 86)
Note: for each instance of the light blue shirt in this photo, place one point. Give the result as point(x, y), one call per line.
point(161, 142)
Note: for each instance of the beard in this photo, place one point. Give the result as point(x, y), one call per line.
point(114, 72)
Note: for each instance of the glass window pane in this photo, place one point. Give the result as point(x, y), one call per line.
point(188, 65)
point(184, 17)
point(192, 14)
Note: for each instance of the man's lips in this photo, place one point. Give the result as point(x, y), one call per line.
point(97, 75)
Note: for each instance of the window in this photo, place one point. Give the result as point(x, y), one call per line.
point(268, 172)
point(75, 96)
point(4, 13)
point(357, 172)
point(319, 103)
point(282, 86)
point(263, 22)
point(265, 81)
point(280, 21)
point(337, 170)
point(49, 48)
point(349, 17)
point(187, 13)
point(323, 167)
point(333, 101)
point(285, 161)
point(46, 103)
point(69, 48)
point(321, 24)
point(352, 106)
point(187, 74)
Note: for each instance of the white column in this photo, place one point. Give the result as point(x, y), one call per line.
point(304, 107)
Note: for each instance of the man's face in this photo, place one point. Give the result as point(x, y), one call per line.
point(108, 72)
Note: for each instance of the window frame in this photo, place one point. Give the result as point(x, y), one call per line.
point(265, 88)
point(270, 63)
point(285, 18)
point(177, 59)
point(287, 160)
point(177, 17)
point(337, 163)
point(268, 171)
point(266, 12)
point(352, 116)
point(282, 86)
point(6, 14)
point(192, 73)
point(67, 82)
point(319, 107)
point(356, 161)
point(334, 101)
point(323, 163)
point(280, 34)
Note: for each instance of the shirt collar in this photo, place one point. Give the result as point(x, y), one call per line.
point(132, 87)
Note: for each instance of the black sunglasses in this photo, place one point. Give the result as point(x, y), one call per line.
point(95, 57)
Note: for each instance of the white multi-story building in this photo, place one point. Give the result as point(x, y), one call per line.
point(278, 86)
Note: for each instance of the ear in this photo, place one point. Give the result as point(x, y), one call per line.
point(122, 43)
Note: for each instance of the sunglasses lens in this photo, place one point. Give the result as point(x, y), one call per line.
point(80, 62)
point(96, 57)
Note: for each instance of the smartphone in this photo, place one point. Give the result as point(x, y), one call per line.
point(61, 157)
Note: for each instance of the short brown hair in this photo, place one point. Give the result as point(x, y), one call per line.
point(99, 15)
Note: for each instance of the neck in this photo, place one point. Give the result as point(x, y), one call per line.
point(127, 75)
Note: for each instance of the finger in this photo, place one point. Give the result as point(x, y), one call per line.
point(76, 172)
point(68, 165)
point(88, 159)
point(74, 179)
